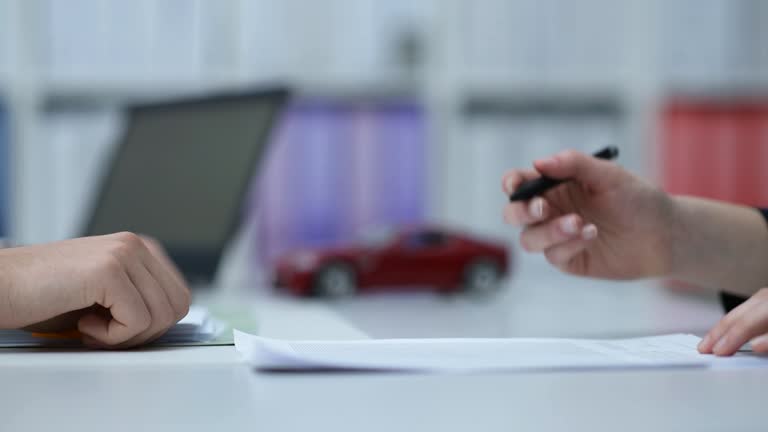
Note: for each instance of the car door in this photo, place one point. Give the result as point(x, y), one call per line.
point(389, 265)
point(428, 258)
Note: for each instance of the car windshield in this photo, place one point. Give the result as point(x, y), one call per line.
point(377, 237)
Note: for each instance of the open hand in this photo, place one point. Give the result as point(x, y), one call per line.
point(746, 323)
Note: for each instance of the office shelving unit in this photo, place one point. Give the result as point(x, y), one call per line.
point(488, 51)
point(84, 56)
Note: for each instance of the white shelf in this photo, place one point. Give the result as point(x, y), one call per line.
point(538, 91)
point(475, 51)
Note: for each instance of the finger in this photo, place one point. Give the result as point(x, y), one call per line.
point(526, 213)
point(537, 238)
point(571, 164)
point(129, 315)
point(162, 313)
point(714, 334)
point(562, 254)
point(159, 252)
point(739, 325)
point(512, 179)
point(750, 324)
point(760, 344)
point(170, 281)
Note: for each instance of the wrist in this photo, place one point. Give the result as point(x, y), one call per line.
point(677, 236)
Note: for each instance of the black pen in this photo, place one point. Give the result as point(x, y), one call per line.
point(533, 188)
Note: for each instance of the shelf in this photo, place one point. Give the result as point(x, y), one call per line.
point(79, 90)
point(68, 90)
point(572, 81)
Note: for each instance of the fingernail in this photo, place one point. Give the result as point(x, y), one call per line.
point(537, 208)
point(759, 341)
point(569, 225)
point(720, 345)
point(589, 232)
point(509, 184)
point(704, 342)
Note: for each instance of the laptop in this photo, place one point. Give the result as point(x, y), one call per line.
point(181, 173)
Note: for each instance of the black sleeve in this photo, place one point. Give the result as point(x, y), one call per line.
point(730, 301)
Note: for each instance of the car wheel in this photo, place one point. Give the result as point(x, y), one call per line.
point(335, 280)
point(482, 277)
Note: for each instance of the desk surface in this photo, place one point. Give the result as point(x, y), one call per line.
point(231, 397)
point(208, 388)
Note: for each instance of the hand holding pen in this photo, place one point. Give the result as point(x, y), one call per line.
point(588, 216)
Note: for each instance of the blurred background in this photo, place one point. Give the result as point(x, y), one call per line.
point(427, 102)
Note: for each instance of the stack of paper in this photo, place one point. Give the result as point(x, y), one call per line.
point(468, 355)
point(197, 327)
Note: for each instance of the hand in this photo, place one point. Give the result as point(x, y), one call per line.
point(746, 323)
point(118, 290)
point(604, 222)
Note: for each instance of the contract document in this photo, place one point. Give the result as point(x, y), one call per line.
point(471, 355)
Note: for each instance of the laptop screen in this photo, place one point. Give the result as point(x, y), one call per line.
point(181, 173)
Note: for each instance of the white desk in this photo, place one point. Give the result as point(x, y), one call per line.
point(231, 397)
point(205, 389)
point(538, 302)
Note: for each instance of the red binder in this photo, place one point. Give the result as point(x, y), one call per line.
point(716, 149)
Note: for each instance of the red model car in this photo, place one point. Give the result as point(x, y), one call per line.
point(427, 256)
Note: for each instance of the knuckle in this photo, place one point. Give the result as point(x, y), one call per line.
point(525, 241)
point(112, 266)
point(130, 240)
point(568, 155)
point(553, 257)
point(739, 330)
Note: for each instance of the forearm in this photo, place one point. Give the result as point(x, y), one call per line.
point(720, 246)
point(8, 316)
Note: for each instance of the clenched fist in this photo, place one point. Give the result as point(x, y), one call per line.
point(118, 290)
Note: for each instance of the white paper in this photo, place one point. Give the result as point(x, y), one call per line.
point(468, 355)
point(197, 326)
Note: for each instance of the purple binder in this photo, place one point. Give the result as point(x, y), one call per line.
point(337, 168)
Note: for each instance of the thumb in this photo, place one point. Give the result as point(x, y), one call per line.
point(570, 164)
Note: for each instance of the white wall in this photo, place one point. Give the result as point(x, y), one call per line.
point(105, 51)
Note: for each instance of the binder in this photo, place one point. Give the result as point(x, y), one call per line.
point(338, 168)
point(716, 149)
